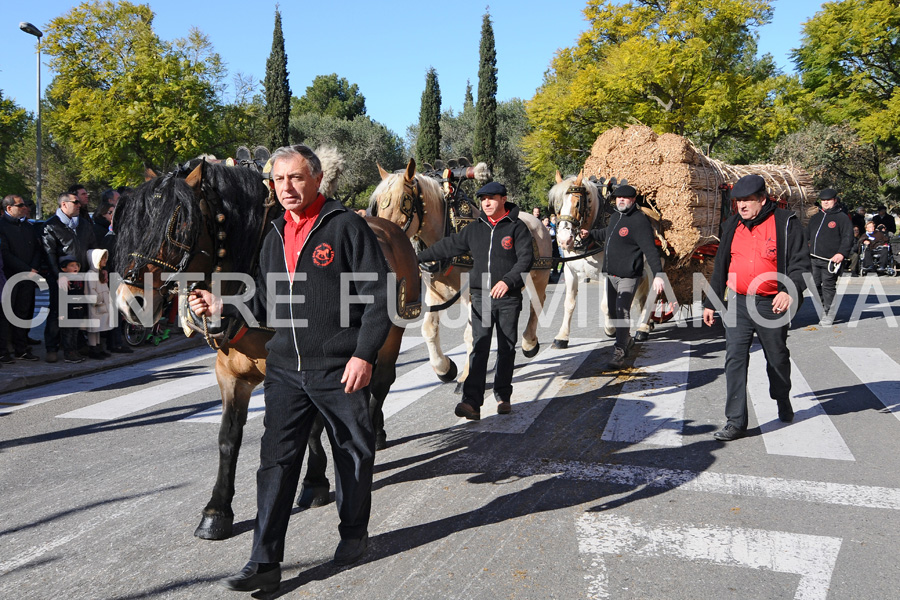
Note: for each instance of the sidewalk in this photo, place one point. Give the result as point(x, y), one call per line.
point(24, 374)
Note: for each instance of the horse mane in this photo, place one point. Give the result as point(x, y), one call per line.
point(431, 188)
point(142, 219)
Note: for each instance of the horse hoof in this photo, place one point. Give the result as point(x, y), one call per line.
point(533, 352)
point(641, 336)
point(381, 441)
point(450, 375)
point(561, 344)
point(313, 497)
point(214, 527)
point(610, 333)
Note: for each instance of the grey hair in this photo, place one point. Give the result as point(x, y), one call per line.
point(64, 197)
point(10, 200)
point(305, 152)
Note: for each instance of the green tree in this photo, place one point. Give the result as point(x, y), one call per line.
point(13, 122)
point(684, 67)
point(126, 100)
point(362, 141)
point(485, 143)
point(278, 89)
point(331, 95)
point(469, 100)
point(428, 142)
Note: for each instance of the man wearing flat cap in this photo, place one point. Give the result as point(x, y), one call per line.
point(830, 234)
point(627, 241)
point(761, 259)
point(500, 245)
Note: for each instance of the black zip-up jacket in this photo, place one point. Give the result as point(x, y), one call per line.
point(790, 241)
point(19, 245)
point(309, 333)
point(503, 251)
point(628, 239)
point(830, 232)
point(59, 240)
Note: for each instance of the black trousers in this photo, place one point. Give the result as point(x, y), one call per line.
point(504, 314)
point(883, 259)
point(738, 339)
point(619, 296)
point(293, 399)
point(826, 282)
point(51, 327)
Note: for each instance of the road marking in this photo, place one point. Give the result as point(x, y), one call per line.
point(121, 406)
point(877, 370)
point(534, 386)
point(62, 389)
point(707, 482)
point(650, 407)
point(812, 557)
point(413, 385)
point(811, 435)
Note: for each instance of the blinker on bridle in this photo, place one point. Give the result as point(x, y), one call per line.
point(578, 206)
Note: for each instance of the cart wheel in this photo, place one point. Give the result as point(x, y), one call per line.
point(134, 334)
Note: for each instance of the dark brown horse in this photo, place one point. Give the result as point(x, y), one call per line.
point(213, 221)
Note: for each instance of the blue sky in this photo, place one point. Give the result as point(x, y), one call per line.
point(385, 48)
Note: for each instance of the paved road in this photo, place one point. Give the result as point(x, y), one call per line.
point(596, 486)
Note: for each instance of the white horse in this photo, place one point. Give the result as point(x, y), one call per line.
point(576, 202)
point(416, 203)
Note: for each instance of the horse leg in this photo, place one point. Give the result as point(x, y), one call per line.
point(443, 366)
point(562, 337)
point(315, 490)
point(218, 517)
point(470, 343)
point(530, 344)
point(640, 300)
point(383, 377)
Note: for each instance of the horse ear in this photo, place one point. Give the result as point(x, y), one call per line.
point(149, 174)
point(384, 174)
point(579, 178)
point(195, 179)
point(559, 178)
point(411, 169)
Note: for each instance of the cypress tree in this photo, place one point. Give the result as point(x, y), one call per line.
point(468, 101)
point(428, 143)
point(278, 90)
point(484, 146)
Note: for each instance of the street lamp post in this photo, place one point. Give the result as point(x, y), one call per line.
point(32, 30)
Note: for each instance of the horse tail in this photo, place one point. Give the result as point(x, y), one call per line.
point(332, 166)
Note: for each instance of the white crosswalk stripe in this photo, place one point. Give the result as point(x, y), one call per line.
point(877, 370)
point(812, 433)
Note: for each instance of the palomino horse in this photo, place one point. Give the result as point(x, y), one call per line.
point(213, 222)
point(577, 203)
point(417, 204)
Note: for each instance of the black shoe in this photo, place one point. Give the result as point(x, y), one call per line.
point(504, 407)
point(6, 359)
point(32, 342)
point(785, 411)
point(27, 356)
point(255, 576)
point(350, 551)
point(729, 433)
point(73, 357)
point(95, 353)
point(468, 411)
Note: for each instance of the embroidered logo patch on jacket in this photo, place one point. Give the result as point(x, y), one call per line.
point(623, 232)
point(507, 242)
point(832, 224)
point(323, 255)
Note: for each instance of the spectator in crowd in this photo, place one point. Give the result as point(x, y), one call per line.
point(101, 313)
point(81, 194)
point(75, 309)
point(5, 358)
point(114, 340)
point(859, 218)
point(536, 212)
point(21, 253)
point(557, 268)
point(500, 244)
point(66, 233)
point(870, 241)
point(883, 218)
point(830, 240)
point(854, 253)
point(761, 260)
point(102, 219)
point(110, 196)
point(627, 240)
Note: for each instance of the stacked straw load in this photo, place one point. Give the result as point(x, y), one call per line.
point(683, 186)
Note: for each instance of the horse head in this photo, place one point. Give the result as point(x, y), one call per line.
point(405, 198)
point(576, 202)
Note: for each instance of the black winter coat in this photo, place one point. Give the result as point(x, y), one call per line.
point(59, 240)
point(19, 245)
point(628, 239)
point(830, 232)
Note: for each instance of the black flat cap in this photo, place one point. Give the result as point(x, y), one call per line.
point(624, 191)
point(489, 189)
point(828, 194)
point(747, 186)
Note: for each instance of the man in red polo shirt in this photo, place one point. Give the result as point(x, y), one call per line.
point(761, 259)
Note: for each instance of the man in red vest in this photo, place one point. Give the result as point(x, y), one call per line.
point(761, 259)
